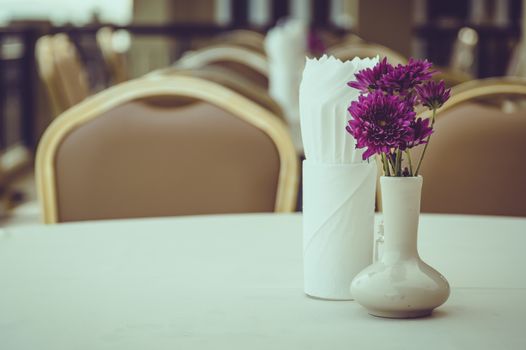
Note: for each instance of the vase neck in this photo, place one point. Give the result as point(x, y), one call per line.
point(401, 210)
point(400, 244)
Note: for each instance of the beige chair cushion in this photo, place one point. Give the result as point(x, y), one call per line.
point(475, 163)
point(145, 160)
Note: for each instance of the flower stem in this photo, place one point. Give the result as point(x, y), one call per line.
point(393, 164)
point(398, 163)
point(427, 143)
point(410, 163)
point(386, 165)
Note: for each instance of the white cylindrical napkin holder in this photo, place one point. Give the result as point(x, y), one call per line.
point(338, 226)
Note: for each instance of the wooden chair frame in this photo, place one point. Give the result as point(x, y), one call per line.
point(484, 88)
point(48, 73)
point(65, 50)
point(114, 61)
point(188, 87)
point(210, 54)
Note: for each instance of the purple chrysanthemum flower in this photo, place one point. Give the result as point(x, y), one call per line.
point(432, 94)
point(369, 79)
point(403, 78)
point(380, 122)
point(420, 131)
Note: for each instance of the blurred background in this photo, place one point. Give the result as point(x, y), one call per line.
point(119, 40)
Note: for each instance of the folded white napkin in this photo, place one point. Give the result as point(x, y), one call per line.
point(338, 186)
point(324, 99)
point(285, 45)
point(338, 226)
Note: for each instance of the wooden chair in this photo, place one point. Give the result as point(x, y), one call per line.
point(474, 163)
point(61, 71)
point(228, 79)
point(115, 155)
point(115, 61)
point(249, 64)
point(347, 51)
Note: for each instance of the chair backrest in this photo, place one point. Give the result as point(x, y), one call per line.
point(48, 73)
point(71, 70)
point(473, 164)
point(243, 38)
point(347, 51)
point(61, 71)
point(115, 155)
point(249, 64)
point(115, 61)
point(229, 79)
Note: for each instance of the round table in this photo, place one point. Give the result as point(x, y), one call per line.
point(235, 282)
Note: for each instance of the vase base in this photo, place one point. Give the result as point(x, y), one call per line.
point(401, 313)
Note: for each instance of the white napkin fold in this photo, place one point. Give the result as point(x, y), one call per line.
point(285, 45)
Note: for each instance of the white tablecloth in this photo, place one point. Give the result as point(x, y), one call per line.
point(235, 282)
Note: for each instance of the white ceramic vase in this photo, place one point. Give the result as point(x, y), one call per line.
point(400, 284)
